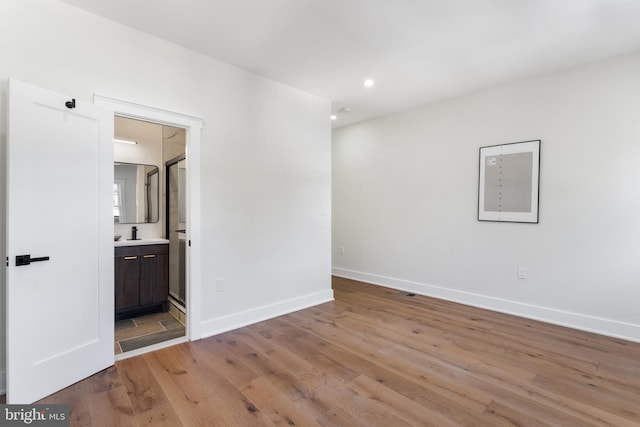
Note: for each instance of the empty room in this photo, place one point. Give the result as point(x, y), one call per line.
point(331, 213)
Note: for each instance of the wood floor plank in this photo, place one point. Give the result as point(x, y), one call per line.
point(214, 356)
point(365, 409)
point(397, 404)
point(181, 384)
point(338, 417)
point(374, 356)
point(277, 374)
point(361, 360)
point(78, 397)
point(142, 387)
point(162, 415)
point(280, 410)
point(592, 395)
point(318, 359)
point(229, 406)
point(112, 408)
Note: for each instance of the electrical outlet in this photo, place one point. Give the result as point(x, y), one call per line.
point(341, 250)
point(522, 273)
point(220, 284)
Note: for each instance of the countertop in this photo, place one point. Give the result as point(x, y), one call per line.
point(140, 242)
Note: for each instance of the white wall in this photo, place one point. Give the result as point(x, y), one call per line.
point(266, 151)
point(405, 199)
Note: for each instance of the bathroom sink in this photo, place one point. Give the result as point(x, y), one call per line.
point(149, 241)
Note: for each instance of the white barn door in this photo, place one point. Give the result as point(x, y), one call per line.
point(60, 316)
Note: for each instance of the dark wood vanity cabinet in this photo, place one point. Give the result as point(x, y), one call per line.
point(141, 279)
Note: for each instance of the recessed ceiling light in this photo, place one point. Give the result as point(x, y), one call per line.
point(125, 141)
point(368, 83)
point(334, 117)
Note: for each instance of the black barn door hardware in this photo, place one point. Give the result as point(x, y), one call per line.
point(71, 104)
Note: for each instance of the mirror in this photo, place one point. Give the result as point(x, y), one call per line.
point(135, 193)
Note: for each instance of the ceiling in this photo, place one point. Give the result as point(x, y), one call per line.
point(417, 51)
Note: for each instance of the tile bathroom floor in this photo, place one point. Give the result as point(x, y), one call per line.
point(138, 332)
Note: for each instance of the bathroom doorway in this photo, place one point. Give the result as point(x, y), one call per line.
point(192, 128)
point(150, 262)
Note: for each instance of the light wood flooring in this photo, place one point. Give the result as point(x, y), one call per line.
point(373, 357)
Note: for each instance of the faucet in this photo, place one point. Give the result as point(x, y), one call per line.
point(134, 233)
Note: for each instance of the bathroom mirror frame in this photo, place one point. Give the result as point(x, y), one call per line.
point(136, 193)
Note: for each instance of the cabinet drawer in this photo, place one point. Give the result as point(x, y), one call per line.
point(122, 251)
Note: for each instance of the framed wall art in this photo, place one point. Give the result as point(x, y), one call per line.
point(508, 188)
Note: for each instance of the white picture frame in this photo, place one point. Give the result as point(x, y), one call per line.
point(509, 182)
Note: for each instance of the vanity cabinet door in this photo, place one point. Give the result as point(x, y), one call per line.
point(154, 277)
point(142, 279)
point(127, 274)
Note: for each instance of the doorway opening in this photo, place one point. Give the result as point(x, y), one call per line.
point(150, 224)
point(192, 127)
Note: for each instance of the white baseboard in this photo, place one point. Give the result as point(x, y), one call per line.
point(238, 320)
point(608, 327)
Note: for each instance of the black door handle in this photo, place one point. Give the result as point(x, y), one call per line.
point(26, 259)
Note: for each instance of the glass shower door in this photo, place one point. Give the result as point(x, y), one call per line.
point(177, 227)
